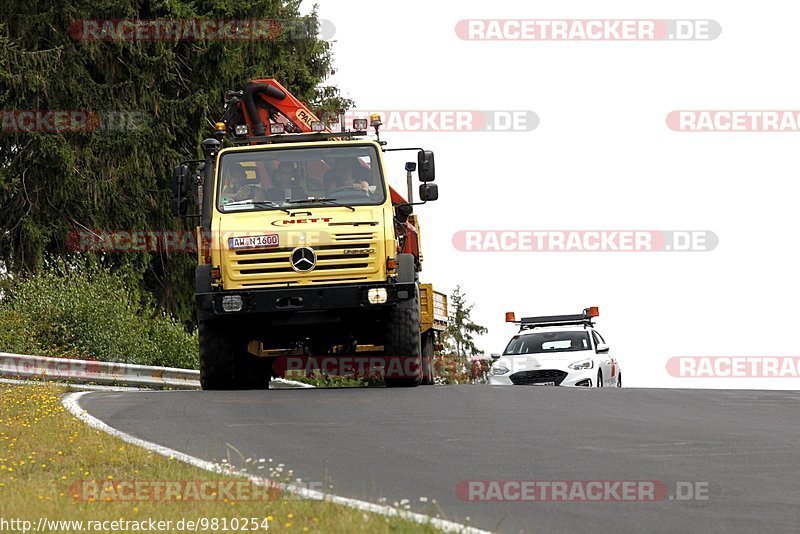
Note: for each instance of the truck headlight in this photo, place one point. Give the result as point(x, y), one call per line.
point(583, 364)
point(232, 303)
point(377, 295)
point(499, 370)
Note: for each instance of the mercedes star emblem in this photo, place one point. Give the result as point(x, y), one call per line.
point(303, 259)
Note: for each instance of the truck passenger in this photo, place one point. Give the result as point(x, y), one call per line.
point(285, 185)
point(342, 178)
point(256, 192)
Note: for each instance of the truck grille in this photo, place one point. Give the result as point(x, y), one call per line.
point(530, 378)
point(270, 267)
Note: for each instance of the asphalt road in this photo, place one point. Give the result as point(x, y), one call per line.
point(744, 446)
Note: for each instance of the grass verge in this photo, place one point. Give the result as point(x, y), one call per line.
point(48, 459)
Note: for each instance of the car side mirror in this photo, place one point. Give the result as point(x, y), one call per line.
point(495, 356)
point(428, 192)
point(602, 348)
point(426, 166)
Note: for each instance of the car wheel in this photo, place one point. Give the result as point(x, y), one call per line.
point(619, 380)
point(599, 378)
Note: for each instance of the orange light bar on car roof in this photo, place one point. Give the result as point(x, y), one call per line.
point(510, 317)
point(594, 311)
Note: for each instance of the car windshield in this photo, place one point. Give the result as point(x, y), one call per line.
point(543, 342)
point(280, 178)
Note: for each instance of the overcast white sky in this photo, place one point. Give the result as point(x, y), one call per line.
point(602, 158)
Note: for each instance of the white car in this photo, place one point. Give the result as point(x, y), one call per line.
point(557, 350)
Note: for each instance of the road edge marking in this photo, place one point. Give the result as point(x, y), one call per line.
point(71, 401)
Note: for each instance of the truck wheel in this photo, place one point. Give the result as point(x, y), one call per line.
point(402, 345)
point(225, 362)
point(251, 371)
point(427, 359)
point(217, 362)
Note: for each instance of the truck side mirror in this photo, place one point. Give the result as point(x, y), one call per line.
point(411, 166)
point(197, 182)
point(180, 207)
point(426, 166)
point(428, 192)
point(180, 187)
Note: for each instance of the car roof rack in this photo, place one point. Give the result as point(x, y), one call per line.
point(581, 319)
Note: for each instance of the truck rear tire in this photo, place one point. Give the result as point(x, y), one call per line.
point(427, 359)
point(402, 345)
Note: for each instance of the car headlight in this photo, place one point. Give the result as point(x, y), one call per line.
point(499, 370)
point(583, 364)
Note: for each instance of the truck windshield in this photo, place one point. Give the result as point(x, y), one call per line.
point(281, 178)
point(543, 342)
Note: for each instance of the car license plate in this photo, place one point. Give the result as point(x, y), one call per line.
point(253, 241)
point(545, 384)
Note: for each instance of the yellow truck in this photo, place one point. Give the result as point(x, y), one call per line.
point(305, 253)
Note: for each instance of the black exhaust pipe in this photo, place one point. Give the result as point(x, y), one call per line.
point(250, 104)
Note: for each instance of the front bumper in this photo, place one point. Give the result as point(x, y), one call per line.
point(308, 298)
point(554, 376)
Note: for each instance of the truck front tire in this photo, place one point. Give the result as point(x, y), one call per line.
point(217, 369)
point(225, 362)
point(402, 345)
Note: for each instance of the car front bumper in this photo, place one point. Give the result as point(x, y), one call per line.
point(553, 376)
